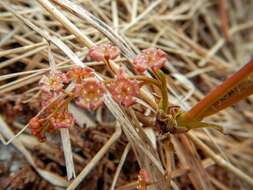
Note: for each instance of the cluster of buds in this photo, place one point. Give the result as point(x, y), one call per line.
point(87, 91)
point(53, 102)
point(37, 128)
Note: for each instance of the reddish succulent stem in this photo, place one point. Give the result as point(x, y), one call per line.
point(230, 101)
point(198, 111)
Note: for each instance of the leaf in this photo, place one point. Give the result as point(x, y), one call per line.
point(199, 124)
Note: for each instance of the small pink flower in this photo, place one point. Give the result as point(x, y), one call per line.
point(104, 51)
point(62, 119)
point(124, 90)
point(90, 94)
point(78, 73)
point(149, 58)
point(54, 83)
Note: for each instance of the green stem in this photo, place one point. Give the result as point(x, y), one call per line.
point(164, 91)
point(108, 64)
point(146, 80)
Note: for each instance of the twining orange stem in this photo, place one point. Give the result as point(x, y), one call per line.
point(223, 18)
point(197, 112)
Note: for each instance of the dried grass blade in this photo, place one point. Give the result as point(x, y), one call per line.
point(98, 24)
point(145, 153)
point(65, 137)
point(95, 159)
point(121, 163)
point(197, 174)
point(220, 161)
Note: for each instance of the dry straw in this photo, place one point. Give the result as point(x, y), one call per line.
point(205, 45)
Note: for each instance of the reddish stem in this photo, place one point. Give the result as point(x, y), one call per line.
point(197, 112)
point(230, 101)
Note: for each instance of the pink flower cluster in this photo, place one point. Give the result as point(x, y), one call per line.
point(104, 51)
point(150, 58)
point(55, 114)
point(87, 91)
point(123, 90)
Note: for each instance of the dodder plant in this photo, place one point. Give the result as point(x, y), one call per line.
point(87, 92)
point(168, 118)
